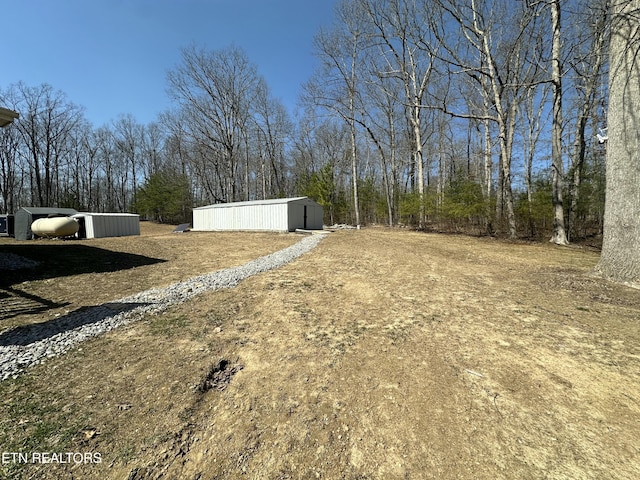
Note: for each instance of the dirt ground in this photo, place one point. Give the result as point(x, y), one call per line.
point(380, 354)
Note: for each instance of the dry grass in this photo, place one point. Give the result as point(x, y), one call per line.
point(380, 354)
point(78, 273)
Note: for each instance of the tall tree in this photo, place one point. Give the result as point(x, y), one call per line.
point(533, 125)
point(406, 42)
point(165, 197)
point(620, 258)
point(110, 171)
point(497, 52)
point(10, 177)
point(557, 166)
point(128, 139)
point(153, 138)
point(337, 87)
point(214, 90)
point(588, 64)
point(46, 121)
point(384, 112)
point(321, 160)
point(273, 127)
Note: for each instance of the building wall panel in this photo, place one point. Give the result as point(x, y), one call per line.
point(100, 225)
point(268, 215)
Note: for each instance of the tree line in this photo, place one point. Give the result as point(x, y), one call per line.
point(466, 115)
point(476, 113)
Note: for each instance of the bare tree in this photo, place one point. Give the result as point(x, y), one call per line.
point(532, 111)
point(110, 171)
point(153, 138)
point(10, 169)
point(338, 85)
point(588, 65)
point(557, 165)
point(91, 168)
point(322, 162)
point(383, 112)
point(408, 47)
point(214, 90)
point(47, 119)
point(499, 55)
point(273, 127)
point(128, 140)
point(75, 182)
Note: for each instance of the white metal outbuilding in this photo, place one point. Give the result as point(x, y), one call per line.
point(280, 215)
point(99, 225)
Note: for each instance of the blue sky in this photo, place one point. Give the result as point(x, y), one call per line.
point(111, 56)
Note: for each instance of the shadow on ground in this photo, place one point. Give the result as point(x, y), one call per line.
point(55, 260)
point(28, 334)
point(14, 302)
point(66, 259)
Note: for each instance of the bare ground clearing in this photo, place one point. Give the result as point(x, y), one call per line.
point(380, 354)
point(79, 273)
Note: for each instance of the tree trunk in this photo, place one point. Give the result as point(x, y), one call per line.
point(354, 172)
point(577, 167)
point(620, 258)
point(503, 136)
point(591, 80)
point(415, 119)
point(557, 171)
point(488, 167)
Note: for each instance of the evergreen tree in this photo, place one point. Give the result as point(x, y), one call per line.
point(165, 198)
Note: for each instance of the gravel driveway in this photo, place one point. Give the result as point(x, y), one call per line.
point(28, 345)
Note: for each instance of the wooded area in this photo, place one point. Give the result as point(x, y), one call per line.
point(460, 115)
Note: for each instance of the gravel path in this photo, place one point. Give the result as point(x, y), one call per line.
point(29, 345)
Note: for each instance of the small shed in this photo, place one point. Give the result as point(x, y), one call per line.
point(99, 225)
point(25, 216)
point(279, 215)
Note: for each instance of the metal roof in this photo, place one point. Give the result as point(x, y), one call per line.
point(273, 201)
point(47, 210)
point(105, 214)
